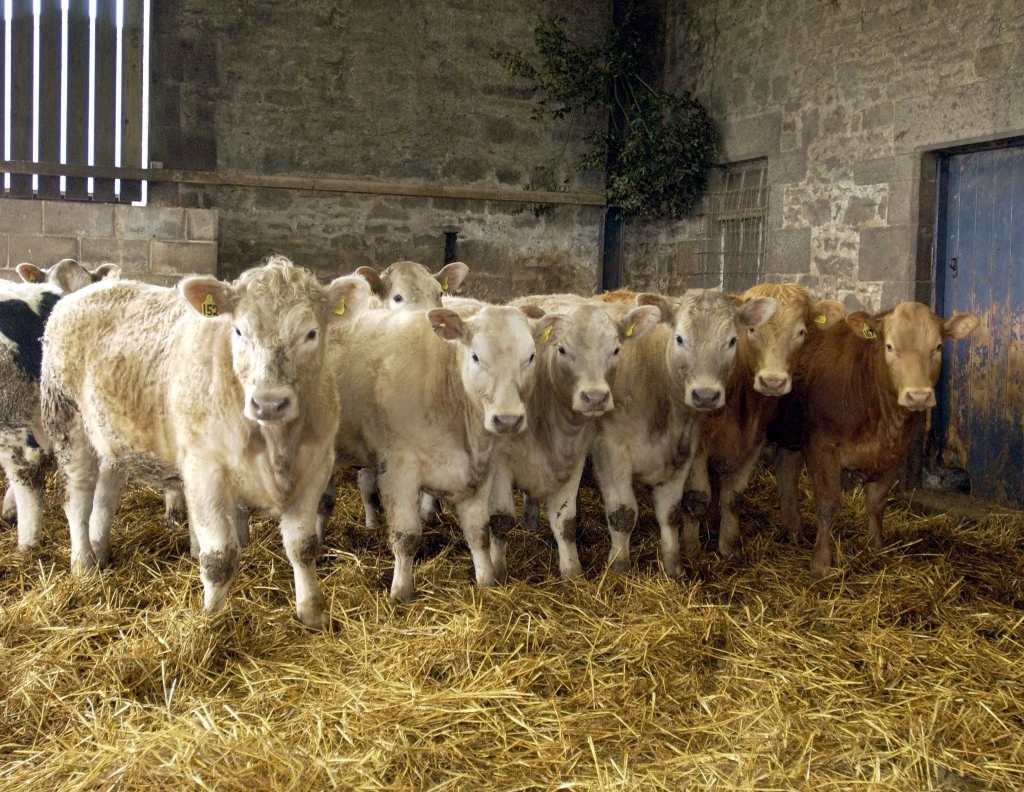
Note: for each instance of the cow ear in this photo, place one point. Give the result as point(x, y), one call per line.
point(208, 296)
point(638, 322)
point(452, 275)
point(826, 313)
point(550, 328)
point(448, 324)
point(30, 273)
point(347, 296)
point(757, 311)
point(532, 311)
point(738, 300)
point(960, 325)
point(106, 272)
point(370, 276)
point(668, 311)
point(68, 276)
point(864, 324)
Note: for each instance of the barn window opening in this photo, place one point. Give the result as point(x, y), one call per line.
point(76, 91)
point(451, 241)
point(733, 227)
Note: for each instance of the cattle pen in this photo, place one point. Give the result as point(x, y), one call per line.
point(901, 670)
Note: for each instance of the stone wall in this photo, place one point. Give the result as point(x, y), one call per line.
point(848, 100)
point(158, 245)
point(392, 91)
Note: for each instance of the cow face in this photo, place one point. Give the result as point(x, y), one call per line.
point(408, 286)
point(773, 347)
point(497, 352)
point(911, 336)
point(701, 351)
point(277, 316)
point(68, 275)
point(582, 364)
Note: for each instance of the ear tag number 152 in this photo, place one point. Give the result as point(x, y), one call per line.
point(209, 306)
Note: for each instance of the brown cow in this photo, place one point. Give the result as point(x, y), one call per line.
point(732, 438)
point(859, 391)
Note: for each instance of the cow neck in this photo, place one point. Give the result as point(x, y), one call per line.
point(279, 444)
point(464, 414)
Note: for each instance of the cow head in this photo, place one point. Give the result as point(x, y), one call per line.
point(496, 350)
point(581, 365)
point(68, 275)
point(408, 286)
point(278, 317)
point(773, 347)
point(910, 336)
point(701, 350)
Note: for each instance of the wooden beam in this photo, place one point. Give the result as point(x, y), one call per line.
point(311, 184)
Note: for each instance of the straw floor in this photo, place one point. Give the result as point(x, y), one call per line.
point(903, 670)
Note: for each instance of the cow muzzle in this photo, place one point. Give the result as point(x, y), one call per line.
point(506, 424)
point(592, 402)
point(270, 405)
point(917, 398)
point(705, 398)
point(771, 383)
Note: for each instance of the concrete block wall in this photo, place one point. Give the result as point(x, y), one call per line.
point(847, 100)
point(156, 244)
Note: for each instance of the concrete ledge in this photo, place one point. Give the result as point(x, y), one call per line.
point(149, 222)
point(182, 258)
point(78, 219)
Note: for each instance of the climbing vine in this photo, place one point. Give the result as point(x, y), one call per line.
point(659, 146)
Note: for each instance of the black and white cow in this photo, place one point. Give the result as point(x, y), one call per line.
point(24, 309)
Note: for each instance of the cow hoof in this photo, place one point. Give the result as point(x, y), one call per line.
point(727, 549)
point(500, 576)
point(27, 547)
point(673, 569)
point(402, 593)
point(313, 616)
point(10, 515)
point(102, 559)
point(83, 565)
point(175, 517)
point(620, 566)
point(820, 569)
point(571, 571)
point(371, 522)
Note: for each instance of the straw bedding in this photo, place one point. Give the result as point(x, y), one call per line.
point(903, 670)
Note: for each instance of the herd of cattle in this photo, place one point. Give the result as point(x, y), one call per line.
point(248, 395)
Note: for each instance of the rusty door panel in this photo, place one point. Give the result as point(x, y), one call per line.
point(980, 267)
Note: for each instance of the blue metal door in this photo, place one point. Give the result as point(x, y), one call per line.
point(980, 267)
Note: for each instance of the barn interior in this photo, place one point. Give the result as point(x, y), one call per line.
point(869, 151)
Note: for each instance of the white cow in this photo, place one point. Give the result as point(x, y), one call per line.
point(24, 447)
point(427, 413)
point(218, 388)
point(573, 389)
point(666, 384)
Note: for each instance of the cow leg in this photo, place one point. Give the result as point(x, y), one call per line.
point(23, 462)
point(429, 508)
point(733, 485)
point(474, 514)
point(211, 515)
point(698, 496)
point(110, 485)
point(175, 510)
point(398, 488)
point(503, 516)
point(666, 497)
point(562, 516)
point(368, 493)
point(325, 508)
point(302, 546)
point(242, 526)
point(788, 465)
point(531, 512)
point(876, 493)
point(10, 509)
point(826, 478)
point(616, 481)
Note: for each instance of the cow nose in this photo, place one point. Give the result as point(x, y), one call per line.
point(270, 410)
point(919, 398)
point(595, 399)
point(507, 424)
point(705, 398)
point(772, 385)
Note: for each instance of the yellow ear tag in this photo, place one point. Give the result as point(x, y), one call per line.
point(340, 310)
point(868, 332)
point(629, 330)
point(820, 319)
point(208, 306)
point(31, 277)
point(444, 285)
point(546, 334)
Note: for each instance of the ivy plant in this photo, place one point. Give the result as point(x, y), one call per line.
point(659, 146)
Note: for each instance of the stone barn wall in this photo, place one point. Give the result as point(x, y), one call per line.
point(391, 90)
point(847, 100)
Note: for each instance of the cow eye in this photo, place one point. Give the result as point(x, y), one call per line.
point(802, 333)
point(889, 347)
point(732, 342)
point(532, 357)
point(939, 347)
point(679, 340)
point(398, 298)
point(475, 358)
point(238, 333)
point(561, 350)
point(311, 335)
point(616, 351)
